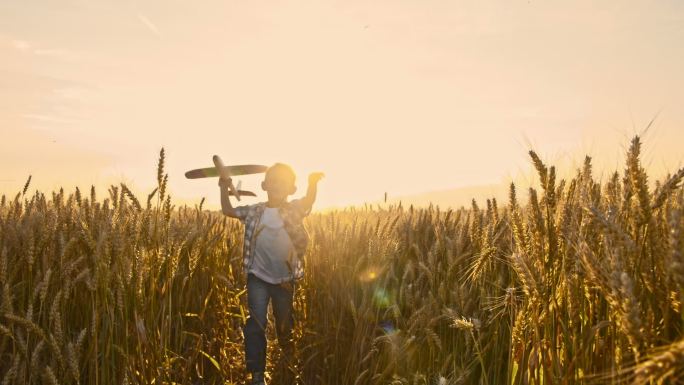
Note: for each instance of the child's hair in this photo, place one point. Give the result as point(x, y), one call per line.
point(281, 169)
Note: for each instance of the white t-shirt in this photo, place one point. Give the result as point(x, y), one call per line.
point(273, 249)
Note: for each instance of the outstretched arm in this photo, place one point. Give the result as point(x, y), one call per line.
point(226, 206)
point(310, 197)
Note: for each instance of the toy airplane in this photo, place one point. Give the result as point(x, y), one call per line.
point(241, 192)
point(220, 169)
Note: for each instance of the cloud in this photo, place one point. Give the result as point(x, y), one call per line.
point(149, 24)
point(29, 48)
point(49, 118)
point(22, 45)
point(51, 52)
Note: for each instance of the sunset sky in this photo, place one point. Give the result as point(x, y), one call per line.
point(389, 96)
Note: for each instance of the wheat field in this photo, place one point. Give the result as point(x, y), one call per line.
point(580, 283)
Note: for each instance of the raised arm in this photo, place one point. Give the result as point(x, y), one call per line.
point(226, 206)
point(311, 191)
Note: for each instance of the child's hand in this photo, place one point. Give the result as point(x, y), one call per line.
point(224, 182)
point(315, 177)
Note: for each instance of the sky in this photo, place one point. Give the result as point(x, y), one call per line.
point(391, 96)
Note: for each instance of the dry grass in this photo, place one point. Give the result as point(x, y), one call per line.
point(583, 284)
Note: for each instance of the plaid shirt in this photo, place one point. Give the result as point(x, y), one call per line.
point(293, 214)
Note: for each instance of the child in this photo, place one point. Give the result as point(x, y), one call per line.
point(274, 245)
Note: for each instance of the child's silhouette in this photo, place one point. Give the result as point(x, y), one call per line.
point(274, 245)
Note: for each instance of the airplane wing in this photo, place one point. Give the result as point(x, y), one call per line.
point(237, 190)
point(243, 193)
point(209, 172)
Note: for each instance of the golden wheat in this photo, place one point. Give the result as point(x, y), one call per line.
point(582, 284)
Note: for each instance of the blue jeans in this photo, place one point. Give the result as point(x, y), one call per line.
point(259, 293)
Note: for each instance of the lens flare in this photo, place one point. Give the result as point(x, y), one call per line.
point(388, 327)
point(381, 298)
point(370, 274)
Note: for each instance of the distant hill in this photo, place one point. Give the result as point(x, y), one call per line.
point(455, 198)
point(451, 198)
